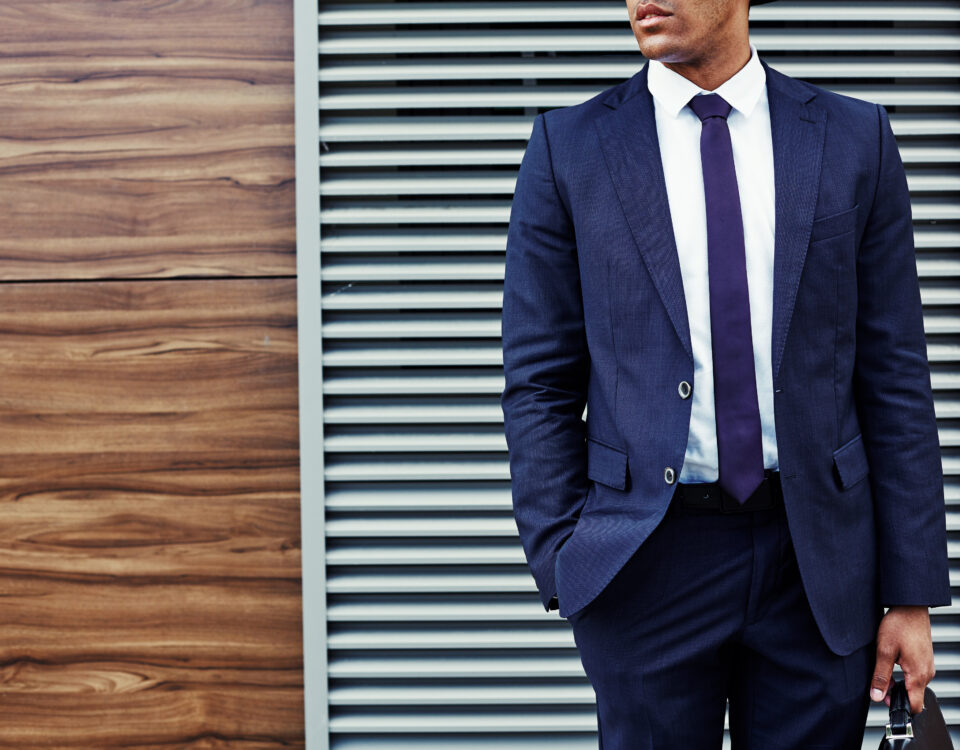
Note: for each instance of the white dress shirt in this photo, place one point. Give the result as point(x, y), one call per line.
point(678, 130)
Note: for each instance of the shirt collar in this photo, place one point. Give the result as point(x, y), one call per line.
point(741, 91)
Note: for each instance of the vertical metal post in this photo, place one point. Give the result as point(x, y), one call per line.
point(309, 346)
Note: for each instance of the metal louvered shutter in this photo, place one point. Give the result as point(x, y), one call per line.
point(434, 635)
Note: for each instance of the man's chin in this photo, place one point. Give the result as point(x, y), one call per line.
point(659, 47)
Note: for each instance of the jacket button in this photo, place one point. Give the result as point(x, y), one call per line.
point(669, 475)
point(684, 389)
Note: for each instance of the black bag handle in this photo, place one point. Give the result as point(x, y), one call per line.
point(900, 716)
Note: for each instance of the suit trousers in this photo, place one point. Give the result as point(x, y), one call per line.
point(711, 608)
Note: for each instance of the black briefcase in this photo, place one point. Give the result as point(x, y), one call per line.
point(925, 731)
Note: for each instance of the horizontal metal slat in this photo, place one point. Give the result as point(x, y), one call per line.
point(367, 554)
point(948, 410)
point(414, 239)
point(474, 267)
point(451, 638)
point(455, 694)
point(432, 581)
point(945, 380)
point(493, 607)
point(427, 157)
point(488, 182)
point(942, 350)
point(405, 413)
point(616, 69)
point(528, 721)
point(480, 182)
point(407, 325)
point(418, 497)
point(461, 41)
point(445, 666)
point(411, 381)
point(938, 265)
point(430, 496)
point(542, 741)
point(376, 412)
point(468, 638)
point(513, 97)
point(491, 211)
point(441, 354)
point(461, 525)
point(414, 297)
point(489, 128)
point(434, 97)
point(482, 155)
point(448, 240)
point(490, 268)
point(546, 741)
point(464, 13)
point(505, 722)
point(459, 469)
point(381, 128)
point(461, 440)
point(496, 608)
point(435, 354)
point(420, 212)
point(480, 325)
point(515, 666)
point(947, 321)
point(415, 468)
point(540, 730)
point(940, 295)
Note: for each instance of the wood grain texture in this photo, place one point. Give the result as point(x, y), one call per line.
point(150, 590)
point(146, 138)
point(150, 541)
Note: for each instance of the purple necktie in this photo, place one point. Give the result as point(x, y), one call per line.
point(739, 443)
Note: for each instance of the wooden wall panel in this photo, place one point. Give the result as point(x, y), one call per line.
point(149, 513)
point(149, 465)
point(146, 139)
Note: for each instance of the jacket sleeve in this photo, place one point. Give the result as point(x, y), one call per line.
point(545, 364)
point(894, 397)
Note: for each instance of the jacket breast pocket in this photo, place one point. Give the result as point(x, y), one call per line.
point(850, 462)
point(606, 464)
point(834, 225)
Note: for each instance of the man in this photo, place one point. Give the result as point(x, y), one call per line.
point(717, 261)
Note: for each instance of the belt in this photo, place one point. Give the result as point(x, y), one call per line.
point(711, 496)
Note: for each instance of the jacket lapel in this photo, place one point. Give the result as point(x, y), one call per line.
point(797, 127)
point(628, 140)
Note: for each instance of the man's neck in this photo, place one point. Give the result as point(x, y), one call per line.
point(711, 74)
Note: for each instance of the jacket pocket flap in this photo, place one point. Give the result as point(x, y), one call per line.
point(606, 464)
point(834, 225)
point(851, 462)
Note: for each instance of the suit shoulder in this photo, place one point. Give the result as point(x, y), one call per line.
point(849, 105)
point(574, 116)
point(831, 101)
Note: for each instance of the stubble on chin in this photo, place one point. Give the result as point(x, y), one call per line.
point(663, 51)
point(666, 46)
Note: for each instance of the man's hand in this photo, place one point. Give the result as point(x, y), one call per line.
point(904, 637)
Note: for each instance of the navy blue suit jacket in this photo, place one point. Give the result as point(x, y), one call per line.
point(594, 315)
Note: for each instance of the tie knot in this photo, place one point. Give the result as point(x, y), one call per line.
point(710, 105)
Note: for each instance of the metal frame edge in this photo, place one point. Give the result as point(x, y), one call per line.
point(309, 365)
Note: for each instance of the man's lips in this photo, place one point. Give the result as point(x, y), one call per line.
point(649, 14)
